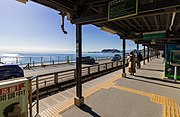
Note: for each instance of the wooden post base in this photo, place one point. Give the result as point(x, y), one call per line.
point(78, 102)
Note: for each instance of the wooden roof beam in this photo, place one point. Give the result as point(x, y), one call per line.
point(90, 19)
point(113, 27)
point(131, 24)
point(86, 2)
point(138, 24)
point(118, 24)
point(168, 21)
point(145, 21)
point(177, 26)
point(59, 5)
point(156, 22)
point(125, 24)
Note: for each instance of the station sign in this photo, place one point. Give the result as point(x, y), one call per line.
point(118, 9)
point(154, 35)
point(14, 98)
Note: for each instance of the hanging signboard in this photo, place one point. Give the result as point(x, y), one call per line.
point(122, 8)
point(154, 35)
point(14, 98)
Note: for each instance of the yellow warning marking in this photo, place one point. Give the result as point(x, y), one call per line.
point(55, 110)
point(170, 105)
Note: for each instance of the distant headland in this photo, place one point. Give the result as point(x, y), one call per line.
point(107, 51)
point(111, 51)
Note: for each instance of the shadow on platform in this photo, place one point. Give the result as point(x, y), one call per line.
point(156, 79)
point(88, 109)
point(152, 69)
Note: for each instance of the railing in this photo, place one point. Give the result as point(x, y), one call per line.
point(31, 91)
point(51, 79)
point(43, 60)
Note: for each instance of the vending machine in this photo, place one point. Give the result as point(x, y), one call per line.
point(172, 61)
point(175, 61)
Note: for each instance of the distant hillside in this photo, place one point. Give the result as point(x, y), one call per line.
point(111, 51)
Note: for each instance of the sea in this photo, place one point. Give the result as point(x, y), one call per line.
point(34, 59)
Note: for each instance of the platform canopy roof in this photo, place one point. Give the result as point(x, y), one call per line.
point(149, 22)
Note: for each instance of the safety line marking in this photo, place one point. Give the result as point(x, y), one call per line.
point(170, 105)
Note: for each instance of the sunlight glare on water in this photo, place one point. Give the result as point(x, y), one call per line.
point(9, 58)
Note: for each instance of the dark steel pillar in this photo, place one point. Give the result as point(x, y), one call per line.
point(124, 67)
point(137, 48)
point(144, 55)
point(137, 52)
point(148, 54)
point(78, 100)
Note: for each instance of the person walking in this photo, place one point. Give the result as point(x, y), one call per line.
point(139, 59)
point(132, 63)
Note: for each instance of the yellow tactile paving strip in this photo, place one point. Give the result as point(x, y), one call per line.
point(54, 110)
point(170, 105)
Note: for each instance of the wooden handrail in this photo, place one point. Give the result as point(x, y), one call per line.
point(55, 76)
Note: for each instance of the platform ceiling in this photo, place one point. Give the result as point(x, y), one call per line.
point(152, 16)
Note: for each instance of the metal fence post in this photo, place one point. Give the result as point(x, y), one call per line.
point(41, 61)
point(16, 60)
point(58, 59)
point(68, 59)
point(30, 61)
point(50, 60)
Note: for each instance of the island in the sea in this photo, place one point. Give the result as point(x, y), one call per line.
point(111, 51)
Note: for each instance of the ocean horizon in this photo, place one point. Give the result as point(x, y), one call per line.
point(47, 58)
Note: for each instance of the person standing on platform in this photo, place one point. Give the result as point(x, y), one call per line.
point(132, 63)
point(139, 59)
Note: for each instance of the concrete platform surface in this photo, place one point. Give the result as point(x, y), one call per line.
point(146, 94)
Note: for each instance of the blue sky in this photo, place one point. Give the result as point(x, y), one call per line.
point(35, 28)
